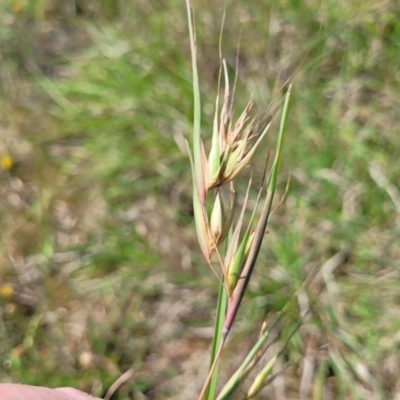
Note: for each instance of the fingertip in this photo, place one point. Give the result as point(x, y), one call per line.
point(76, 394)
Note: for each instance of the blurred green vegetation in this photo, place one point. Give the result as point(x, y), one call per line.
point(100, 271)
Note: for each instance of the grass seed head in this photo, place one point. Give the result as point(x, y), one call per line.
point(259, 381)
point(202, 229)
point(217, 218)
point(236, 265)
point(237, 144)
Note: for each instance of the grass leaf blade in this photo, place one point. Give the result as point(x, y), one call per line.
point(219, 322)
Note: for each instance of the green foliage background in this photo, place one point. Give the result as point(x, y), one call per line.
point(100, 270)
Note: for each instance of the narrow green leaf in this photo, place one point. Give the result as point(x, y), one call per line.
point(320, 380)
point(241, 373)
point(219, 322)
point(197, 150)
point(282, 129)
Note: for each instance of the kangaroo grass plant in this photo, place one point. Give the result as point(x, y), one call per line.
point(232, 147)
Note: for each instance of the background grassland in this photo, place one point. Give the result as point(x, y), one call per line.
point(100, 271)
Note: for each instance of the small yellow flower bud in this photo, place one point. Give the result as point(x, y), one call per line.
point(6, 291)
point(6, 162)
